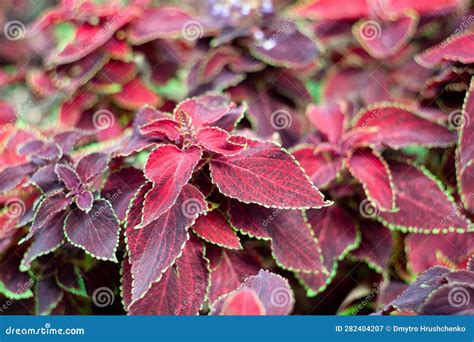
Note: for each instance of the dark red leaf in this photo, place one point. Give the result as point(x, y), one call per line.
point(47, 212)
point(214, 228)
point(169, 168)
point(322, 165)
point(375, 125)
point(68, 176)
point(423, 204)
point(13, 283)
point(84, 200)
point(449, 250)
point(293, 245)
point(375, 247)
point(120, 187)
point(156, 246)
point(455, 48)
point(265, 174)
point(97, 232)
point(336, 235)
point(465, 150)
point(371, 170)
point(45, 241)
point(181, 290)
point(92, 165)
point(228, 270)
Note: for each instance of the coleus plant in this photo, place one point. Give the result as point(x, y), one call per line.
point(191, 151)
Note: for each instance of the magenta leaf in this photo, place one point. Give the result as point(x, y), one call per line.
point(45, 179)
point(96, 231)
point(292, 242)
point(45, 241)
point(418, 213)
point(68, 176)
point(120, 187)
point(84, 200)
point(181, 290)
point(369, 168)
point(156, 246)
point(169, 168)
point(214, 228)
point(47, 212)
point(265, 174)
point(272, 290)
point(92, 165)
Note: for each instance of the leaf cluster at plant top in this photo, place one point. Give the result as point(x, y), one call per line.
point(236, 158)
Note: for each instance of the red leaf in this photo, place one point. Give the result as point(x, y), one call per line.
point(449, 250)
point(383, 39)
point(465, 150)
point(292, 242)
point(321, 165)
point(156, 246)
point(120, 187)
point(136, 94)
point(162, 128)
point(162, 22)
point(265, 174)
point(96, 232)
point(12, 176)
point(169, 168)
point(330, 10)
point(457, 48)
point(214, 228)
point(272, 290)
point(329, 120)
point(337, 236)
point(411, 128)
point(243, 303)
point(92, 165)
point(203, 110)
point(89, 37)
point(182, 289)
point(369, 168)
point(228, 270)
point(217, 140)
point(419, 213)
